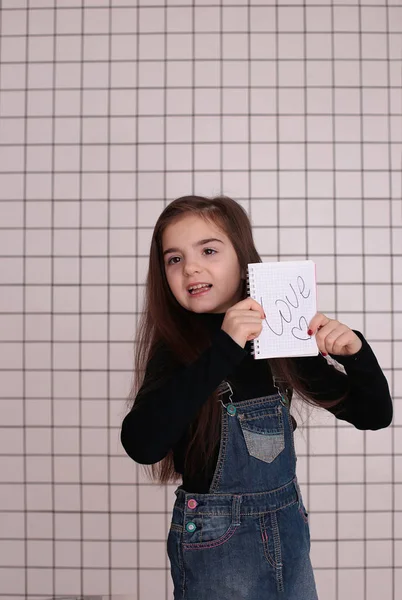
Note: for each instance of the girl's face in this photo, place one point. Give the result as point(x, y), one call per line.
point(197, 251)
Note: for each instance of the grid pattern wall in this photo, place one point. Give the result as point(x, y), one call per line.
point(110, 109)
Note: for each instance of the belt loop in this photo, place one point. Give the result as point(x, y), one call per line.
point(236, 502)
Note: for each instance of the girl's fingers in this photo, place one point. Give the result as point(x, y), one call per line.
point(333, 337)
point(336, 340)
point(247, 304)
point(323, 332)
point(318, 321)
point(247, 315)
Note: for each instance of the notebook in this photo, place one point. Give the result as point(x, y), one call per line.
point(287, 292)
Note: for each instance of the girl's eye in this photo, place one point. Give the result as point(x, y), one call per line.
point(169, 262)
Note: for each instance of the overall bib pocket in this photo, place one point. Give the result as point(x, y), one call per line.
point(263, 432)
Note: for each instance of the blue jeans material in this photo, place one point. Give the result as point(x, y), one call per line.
point(248, 538)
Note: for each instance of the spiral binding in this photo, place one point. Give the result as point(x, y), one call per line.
point(255, 344)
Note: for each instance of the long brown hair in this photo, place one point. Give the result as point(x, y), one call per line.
point(165, 323)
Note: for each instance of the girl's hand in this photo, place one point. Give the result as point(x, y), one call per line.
point(243, 321)
point(333, 337)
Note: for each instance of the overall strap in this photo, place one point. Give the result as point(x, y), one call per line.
point(284, 389)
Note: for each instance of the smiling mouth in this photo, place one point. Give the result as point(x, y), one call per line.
point(200, 291)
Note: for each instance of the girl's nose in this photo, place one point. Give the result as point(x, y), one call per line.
point(191, 268)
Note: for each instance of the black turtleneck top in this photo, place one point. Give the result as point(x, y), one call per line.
point(160, 418)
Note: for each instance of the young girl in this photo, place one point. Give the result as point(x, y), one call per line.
point(208, 412)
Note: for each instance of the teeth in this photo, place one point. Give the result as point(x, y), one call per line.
point(198, 287)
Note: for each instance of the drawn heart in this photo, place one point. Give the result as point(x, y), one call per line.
point(298, 332)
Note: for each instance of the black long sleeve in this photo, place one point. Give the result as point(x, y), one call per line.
point(160, 418)
point(368, 403)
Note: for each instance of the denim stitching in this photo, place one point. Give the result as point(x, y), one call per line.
point(277, 551)
point(276, 445)
point(236, 513)
point(222, 452)
point(248, 435)
point(291, 431)
point(251, 402)
point(265, 542)
point(285, 488)
point(235, 523)
point(199, 546)
point(269, 413)
point(247, 513)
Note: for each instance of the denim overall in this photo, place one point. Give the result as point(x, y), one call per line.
point(248, 538)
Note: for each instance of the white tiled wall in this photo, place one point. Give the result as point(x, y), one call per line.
point(109, 110)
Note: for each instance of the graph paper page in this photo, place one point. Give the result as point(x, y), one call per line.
point(287, 292)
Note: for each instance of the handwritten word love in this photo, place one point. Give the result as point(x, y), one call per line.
point(286, 309)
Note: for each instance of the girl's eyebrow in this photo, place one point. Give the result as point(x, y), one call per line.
point(200, 243)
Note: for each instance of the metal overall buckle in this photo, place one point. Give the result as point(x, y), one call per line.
point(224, 387)
point(282, 394)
